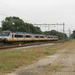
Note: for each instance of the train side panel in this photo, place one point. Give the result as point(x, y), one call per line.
point(21, 36)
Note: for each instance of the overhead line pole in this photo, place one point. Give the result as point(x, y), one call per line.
point(63, 24)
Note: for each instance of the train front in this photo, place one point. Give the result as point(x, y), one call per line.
point(4, 35)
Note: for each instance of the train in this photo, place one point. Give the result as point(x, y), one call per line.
point(9, 36)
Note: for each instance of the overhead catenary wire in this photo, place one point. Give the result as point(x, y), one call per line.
point(10, 8)
point(3, 14)
point(17, 11)
point(21, 14)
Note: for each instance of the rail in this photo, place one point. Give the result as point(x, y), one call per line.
point(29, 44)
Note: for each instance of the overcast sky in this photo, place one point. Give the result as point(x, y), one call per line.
point(41, 11)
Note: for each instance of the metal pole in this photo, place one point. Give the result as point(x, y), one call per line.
point(63, 30)
point(55, 24)
point(48, 27)
point(69, 34)
point(28, 28)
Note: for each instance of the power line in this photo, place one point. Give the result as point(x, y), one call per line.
point(3, 14)
point(63, 24)
point(15, 10)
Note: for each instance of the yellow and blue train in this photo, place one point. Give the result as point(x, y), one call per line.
point(8, 36)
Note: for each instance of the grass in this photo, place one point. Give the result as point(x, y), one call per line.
point(10, 60)
point(49, 69)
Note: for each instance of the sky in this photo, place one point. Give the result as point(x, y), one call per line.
point(40, 12)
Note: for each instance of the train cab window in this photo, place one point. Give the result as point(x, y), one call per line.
point(4, 34)
point(27, 36)
point(18, 36)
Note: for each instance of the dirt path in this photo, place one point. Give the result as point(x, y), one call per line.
point(61, 63)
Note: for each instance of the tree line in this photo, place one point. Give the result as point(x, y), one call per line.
point(73, 35)
point(17, 24)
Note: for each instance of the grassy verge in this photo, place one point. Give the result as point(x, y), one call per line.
point(10, 60)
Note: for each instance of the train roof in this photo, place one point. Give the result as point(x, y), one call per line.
point(6, 31)
point(29, 33)
point(16, 32)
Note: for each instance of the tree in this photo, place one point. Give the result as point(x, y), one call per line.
point(17, 24)
point(56, 33)
point(13, 24)
point(0, 29)
point(7, 26)
point(73, 35)
point(38, 30)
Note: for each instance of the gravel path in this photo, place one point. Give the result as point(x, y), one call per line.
point(61, 63)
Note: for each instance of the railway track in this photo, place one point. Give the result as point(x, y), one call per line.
point(29, 44)
point(16, 46)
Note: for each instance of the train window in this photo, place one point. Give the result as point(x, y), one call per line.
point(50, 37)
point(41, 36)
point(18, 36)
point(45, 36)
point(27, 36)
point(55, 37)
point(36, 36)
point(4, 34)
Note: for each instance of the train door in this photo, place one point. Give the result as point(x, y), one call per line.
point(12, 36)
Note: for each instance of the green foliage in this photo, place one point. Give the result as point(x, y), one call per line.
point(73, 35)
point(37, 30)
point(13, 24)
point(47, 52)
point(17, 24)
point(0, 29)
point(56, 33)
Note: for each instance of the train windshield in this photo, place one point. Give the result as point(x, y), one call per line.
point(4, 33)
